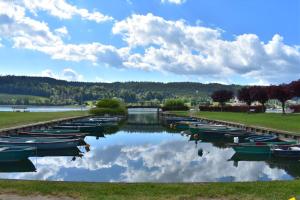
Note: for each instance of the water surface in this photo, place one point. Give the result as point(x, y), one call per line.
point(142, 150)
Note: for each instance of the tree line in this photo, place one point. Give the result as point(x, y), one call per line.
point(59, 92)
point(261, 94)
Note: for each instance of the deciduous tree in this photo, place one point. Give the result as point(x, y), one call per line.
point(222, 96)
point(282, 93)
point(295, 88)
point(260, 94)
point(245, 96)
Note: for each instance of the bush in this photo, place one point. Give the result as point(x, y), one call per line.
point(109, 107)
point(174, 104)
point(255, 109)
point(109, 103)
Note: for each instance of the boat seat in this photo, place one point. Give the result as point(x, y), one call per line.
point(3, 148)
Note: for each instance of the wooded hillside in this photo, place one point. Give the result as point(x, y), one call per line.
point(59, 92)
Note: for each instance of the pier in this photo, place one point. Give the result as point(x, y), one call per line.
point(283, 135)
point(44, 124)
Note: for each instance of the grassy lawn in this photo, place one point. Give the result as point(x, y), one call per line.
point(288, 122)
point(10, 119)
point(277, 190)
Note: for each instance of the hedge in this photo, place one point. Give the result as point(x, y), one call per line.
point(256, 109)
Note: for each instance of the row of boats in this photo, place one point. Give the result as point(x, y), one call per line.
point(240, 140)
point(65, 137)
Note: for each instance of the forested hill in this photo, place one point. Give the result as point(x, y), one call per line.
point(59, 92)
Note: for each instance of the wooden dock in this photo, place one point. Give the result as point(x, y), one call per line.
point(283, 135)
point(44, 124)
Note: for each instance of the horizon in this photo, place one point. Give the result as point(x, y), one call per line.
point(112, 82)
point(164, 41)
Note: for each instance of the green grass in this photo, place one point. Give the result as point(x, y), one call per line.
point(276, 190)
point(11, 119)
point(288, 122)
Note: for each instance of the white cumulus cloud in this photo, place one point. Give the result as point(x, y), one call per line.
point(174, 1)
point(154, 43)
point(64, 10)
point(175, 46)
point(28, 33)
point(63, 31)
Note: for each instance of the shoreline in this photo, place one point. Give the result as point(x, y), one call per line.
point(285, 135)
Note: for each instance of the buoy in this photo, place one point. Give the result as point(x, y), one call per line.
point(236, 140)
point(196, 136)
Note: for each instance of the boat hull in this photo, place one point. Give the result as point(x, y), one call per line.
point(57, 144)
point(17, 155)
point(55, 131)
point(219, 131)
point(71, 135)
point(17, 166)
point(258, 147)
point(252, 149)
point(82, 128)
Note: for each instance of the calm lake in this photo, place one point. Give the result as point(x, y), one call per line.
point(142, 150)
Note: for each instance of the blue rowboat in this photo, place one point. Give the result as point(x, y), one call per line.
point(10, 152)
point(170, 120)
point(262, 138)
point(17, 166)
point(42, 143)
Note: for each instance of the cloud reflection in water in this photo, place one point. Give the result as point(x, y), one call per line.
point(172, 159)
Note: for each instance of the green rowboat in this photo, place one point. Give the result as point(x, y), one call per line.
point(15, 153)
point(258, 147)
point(214, 129)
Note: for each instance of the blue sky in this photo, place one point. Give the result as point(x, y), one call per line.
point(243, 42)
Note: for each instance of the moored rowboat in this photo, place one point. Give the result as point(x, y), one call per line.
point(214, 129)
point(17, 166)
point(258, 147)
point(262, 138)
point(42, 143)
point(287, 152)
point(81, 128)
point(55, 131)
point(15, 153)
point(73, 135)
